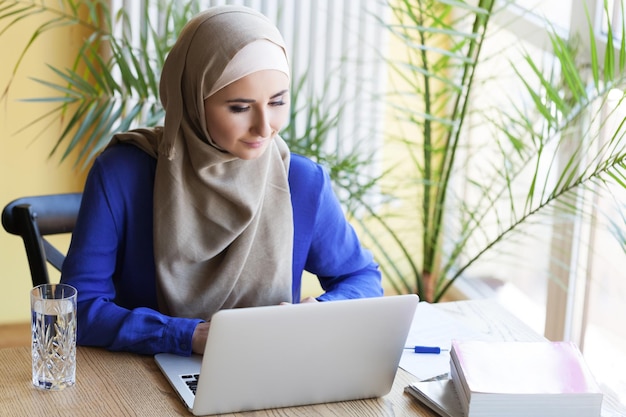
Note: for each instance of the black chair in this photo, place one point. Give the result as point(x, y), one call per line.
point(32, 218)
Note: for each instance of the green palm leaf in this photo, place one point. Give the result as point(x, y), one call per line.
point(539, 155)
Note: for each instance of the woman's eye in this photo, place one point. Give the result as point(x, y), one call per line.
point(277, 103)
point(238, 109)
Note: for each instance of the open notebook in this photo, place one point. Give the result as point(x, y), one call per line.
point(281, 356)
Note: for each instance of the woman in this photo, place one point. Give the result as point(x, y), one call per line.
point(211, 211)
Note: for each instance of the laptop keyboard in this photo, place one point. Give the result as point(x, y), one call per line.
point(192, 381)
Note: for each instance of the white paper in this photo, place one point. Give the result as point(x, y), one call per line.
point(433, 327)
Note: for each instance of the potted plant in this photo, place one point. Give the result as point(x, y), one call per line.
point(462, 202)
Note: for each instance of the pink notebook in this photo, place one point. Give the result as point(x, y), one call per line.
point(513, 378)
point(524, 367)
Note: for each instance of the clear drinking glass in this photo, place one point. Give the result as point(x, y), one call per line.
point(53, 324)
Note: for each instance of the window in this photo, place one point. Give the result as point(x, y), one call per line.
point(582, 297)
point(615, 8)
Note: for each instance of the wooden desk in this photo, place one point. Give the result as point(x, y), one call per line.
point(124, 384)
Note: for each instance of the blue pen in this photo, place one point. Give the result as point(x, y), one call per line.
point(426, 349)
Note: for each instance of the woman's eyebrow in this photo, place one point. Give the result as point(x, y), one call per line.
point(282, 93)
point(249, 100)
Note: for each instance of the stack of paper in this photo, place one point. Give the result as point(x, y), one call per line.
point(522, 379)
point(438, 395)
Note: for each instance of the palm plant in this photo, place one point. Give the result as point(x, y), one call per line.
point(458, 188)
point(113, 82)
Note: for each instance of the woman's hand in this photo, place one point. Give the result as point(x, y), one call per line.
point(303, 301)
point(198, 340)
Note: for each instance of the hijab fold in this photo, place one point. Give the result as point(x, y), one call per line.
point(223, 226)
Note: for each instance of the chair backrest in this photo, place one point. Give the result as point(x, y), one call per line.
point(32, 218)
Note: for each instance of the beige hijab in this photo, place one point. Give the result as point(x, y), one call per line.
point(223, 227)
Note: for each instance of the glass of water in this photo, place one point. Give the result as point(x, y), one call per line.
point(53, 325)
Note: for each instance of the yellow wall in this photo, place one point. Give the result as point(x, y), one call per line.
point(25, 168)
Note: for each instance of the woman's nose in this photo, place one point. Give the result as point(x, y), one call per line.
point(261, 125)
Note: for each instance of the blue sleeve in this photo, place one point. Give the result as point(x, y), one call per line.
point(345, 269)
point(117, 304)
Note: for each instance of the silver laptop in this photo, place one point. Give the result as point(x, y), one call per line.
point(290, 355)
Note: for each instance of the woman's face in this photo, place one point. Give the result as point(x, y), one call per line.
point(243, 117)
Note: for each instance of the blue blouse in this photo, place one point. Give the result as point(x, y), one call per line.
point(111, 263)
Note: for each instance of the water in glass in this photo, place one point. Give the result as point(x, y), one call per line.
point(53, 336)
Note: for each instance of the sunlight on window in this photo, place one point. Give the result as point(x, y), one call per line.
point(557, 11)
point(615, 12)
point(605, 335)
point(517, 276)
